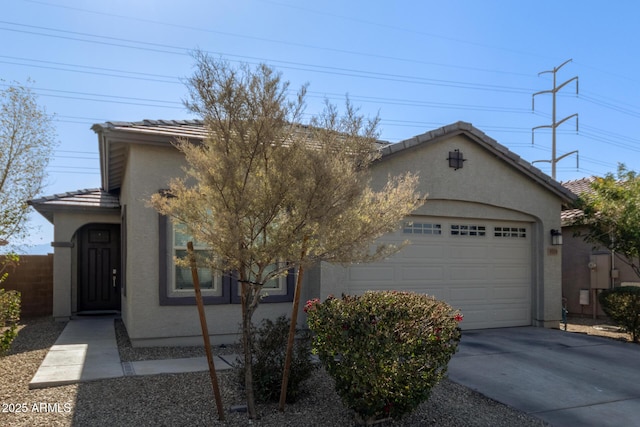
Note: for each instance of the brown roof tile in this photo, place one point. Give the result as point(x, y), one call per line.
point(90, 199)
point(174, 128)
point(578, 187)
point(195, 129)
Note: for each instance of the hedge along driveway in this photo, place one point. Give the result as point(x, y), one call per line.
point(560, 377)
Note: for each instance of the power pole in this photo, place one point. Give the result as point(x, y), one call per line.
point(555, 124)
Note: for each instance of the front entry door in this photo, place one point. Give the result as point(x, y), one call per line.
point(99, 265)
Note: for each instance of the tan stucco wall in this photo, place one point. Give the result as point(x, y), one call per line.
point(576, 274)
point(65, 265)
point(486, 187)
point(149, 169)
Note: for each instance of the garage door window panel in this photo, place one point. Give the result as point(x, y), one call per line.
point(413, 227)
point(468, 230)
point(515, 232)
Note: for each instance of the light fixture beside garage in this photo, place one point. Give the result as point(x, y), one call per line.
point(556, 237)
point(456, 159)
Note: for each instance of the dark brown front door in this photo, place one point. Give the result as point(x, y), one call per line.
point(99, 267)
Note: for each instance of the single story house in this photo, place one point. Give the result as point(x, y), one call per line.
point(587, 268)
point(482, 242)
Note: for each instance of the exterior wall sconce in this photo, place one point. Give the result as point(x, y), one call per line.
point(556, 237)
point(456, 159)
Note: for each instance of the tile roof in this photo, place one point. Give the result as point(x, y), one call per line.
point(168, 130)
point(172, 128)
point(489, 143)
point(578, 186)
point(91, 199)
point(114, 136)
point(569, 216)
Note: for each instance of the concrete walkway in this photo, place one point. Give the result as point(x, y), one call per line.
point(563, 378)
point(86, 350)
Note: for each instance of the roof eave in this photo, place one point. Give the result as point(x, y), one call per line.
point(49, 211)
point(89, 200)
point(112, 136)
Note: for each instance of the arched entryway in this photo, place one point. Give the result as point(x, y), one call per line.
point(98, 267)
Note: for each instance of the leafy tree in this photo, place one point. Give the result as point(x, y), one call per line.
point(612, 215)
point(27, 139)
point(268, 194)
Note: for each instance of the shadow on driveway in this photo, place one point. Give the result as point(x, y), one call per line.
point(563, 378)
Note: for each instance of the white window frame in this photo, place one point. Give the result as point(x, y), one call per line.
point(216, 278)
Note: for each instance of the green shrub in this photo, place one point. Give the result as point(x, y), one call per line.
point(270, 345)
point(9, 317)
point(385, 350)
point(622, 305)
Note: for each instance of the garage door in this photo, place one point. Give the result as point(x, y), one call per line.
point(481, 267)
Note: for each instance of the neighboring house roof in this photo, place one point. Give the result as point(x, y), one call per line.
point(578, 187)
point(89, 199)
point(569, 216)
point(499, 150)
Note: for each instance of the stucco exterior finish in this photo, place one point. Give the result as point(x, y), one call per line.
point(138, 160)
point(576, 273)
point(148, 170)
point(486, 187)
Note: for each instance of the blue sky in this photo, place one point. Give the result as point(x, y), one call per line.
point(418, 64)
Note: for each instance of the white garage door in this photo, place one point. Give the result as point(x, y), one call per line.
point(481, 267)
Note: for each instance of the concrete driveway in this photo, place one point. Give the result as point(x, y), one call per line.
point(563, 378)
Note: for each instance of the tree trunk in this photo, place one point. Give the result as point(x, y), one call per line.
point(292, 329)
point(247, 346)
point(290, 341)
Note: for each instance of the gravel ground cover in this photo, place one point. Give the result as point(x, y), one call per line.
point(187, 399)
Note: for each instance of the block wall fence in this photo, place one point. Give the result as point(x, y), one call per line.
point(33, 278)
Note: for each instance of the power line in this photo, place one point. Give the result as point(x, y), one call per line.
point(76, 158)
point(284, 64)
point(282, 42)
point(74, 172)
point(393, 27)
point(143, 76)
point(175, 80)
point(378, 100)
point(89, 70)
point(76, 152)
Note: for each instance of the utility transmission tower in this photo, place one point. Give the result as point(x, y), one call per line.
point(554, 124)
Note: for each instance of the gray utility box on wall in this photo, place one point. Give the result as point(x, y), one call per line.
point(584, 296)
point(600, 266)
